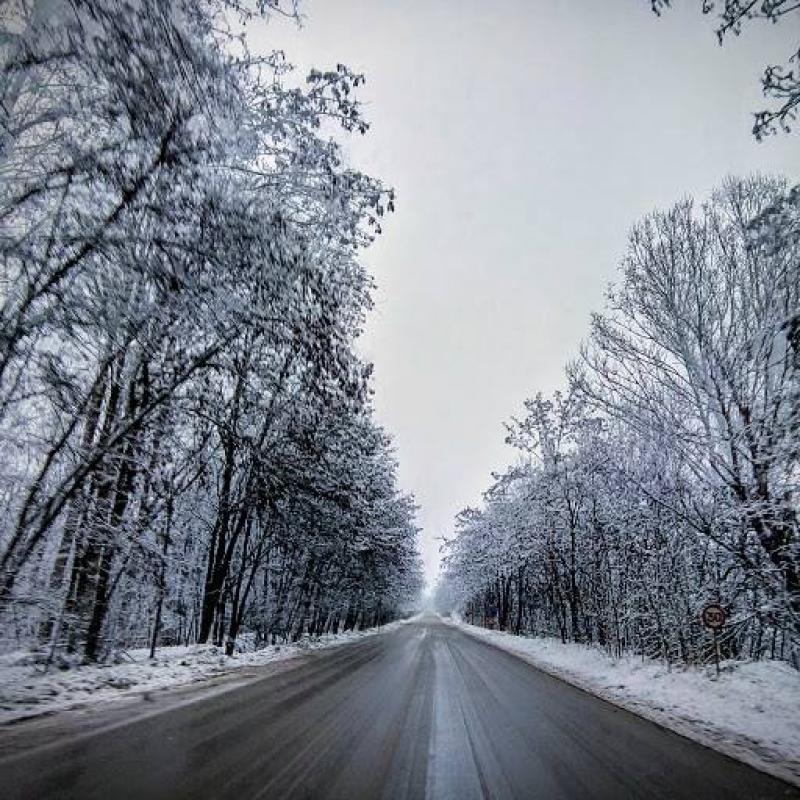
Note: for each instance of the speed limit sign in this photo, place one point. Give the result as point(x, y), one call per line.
point(713, 616)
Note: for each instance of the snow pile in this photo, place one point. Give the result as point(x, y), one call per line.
point(26, 690)
point(751, 712)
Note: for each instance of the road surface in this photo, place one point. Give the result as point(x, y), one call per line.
point(425, 711)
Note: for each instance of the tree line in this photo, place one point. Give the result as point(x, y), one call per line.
point(665, 475)
point(187, 441)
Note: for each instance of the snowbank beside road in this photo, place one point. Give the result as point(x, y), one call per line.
point(752, 712)
point(27, 691)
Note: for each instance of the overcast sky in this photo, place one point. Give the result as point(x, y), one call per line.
point(523, 139)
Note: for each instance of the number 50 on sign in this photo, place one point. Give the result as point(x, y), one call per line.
point(713, 616)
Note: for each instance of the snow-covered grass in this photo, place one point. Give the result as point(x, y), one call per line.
point(751, 712)
point(26, 690)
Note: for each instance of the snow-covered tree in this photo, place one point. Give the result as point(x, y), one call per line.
point(666, 476)
point(181, 292)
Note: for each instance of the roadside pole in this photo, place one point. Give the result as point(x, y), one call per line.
point(713, 616)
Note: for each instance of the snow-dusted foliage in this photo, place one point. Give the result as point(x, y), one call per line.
point(666, 476)
point(780, 83)
point(186, 437)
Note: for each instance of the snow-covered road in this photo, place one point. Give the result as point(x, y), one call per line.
point(424, 711)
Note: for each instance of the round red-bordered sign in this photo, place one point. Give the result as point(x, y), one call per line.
point(713, 616)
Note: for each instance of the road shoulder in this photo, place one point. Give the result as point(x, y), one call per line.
point(741, 716)
point(87, 700)
point(88, 719)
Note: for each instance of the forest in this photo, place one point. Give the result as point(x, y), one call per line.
point(188, 447)
point(664, 476)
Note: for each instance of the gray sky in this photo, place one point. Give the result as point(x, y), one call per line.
point(523, 139)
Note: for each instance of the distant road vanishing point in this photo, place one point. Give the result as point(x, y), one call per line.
point(424, 711)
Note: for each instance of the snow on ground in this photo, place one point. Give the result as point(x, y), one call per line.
point(26, 690)
point(751, 712)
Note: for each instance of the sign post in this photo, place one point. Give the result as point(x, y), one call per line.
point(713, 616)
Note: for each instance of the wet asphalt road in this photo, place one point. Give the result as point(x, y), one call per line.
point(425, 711)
